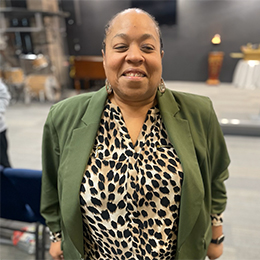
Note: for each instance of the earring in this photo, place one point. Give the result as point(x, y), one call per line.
point(162, 86)
point(108, 87)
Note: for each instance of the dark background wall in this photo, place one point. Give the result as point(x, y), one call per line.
point(186, 44)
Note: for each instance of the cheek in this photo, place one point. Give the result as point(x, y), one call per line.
point(156, 74)
point(112, 63)
point(112, 69)
point(156, 64)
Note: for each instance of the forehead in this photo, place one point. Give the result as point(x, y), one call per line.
point(133, 20)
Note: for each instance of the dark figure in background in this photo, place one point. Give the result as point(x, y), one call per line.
point(134, 171)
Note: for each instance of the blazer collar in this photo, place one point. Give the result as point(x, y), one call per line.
point(192, 193)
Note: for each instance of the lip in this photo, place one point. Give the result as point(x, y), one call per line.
point(134, 71)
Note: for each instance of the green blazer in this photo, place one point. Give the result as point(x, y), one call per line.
point(194, 131)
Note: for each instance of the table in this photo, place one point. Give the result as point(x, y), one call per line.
point(247, 74)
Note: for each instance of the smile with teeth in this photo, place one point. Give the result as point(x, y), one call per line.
point(134, 75)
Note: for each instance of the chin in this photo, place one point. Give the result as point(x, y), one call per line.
point(137, 95)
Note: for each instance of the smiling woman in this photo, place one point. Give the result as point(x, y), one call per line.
point(133, 59)
point(134, 171)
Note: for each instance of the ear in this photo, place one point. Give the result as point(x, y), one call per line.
point(162, 54)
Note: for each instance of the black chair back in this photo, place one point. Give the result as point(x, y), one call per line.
point(20, 195)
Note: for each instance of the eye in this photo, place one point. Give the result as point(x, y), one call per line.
point(147, 48)
point(120, 47)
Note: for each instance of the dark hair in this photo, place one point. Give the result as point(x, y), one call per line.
point(108, 26)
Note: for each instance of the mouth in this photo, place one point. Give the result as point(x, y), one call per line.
point(134, 74)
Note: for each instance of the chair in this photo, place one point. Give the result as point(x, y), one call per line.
point(14, 78)
point(20, 201)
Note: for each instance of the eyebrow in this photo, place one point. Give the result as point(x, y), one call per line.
point(143, 37)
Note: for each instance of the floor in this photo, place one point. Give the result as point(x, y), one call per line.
point(233, 106)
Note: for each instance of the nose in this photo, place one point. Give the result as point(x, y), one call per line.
point(134, 54)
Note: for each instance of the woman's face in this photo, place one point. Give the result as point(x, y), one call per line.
point(133, 59)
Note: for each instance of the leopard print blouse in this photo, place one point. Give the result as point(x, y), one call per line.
point(130, 193)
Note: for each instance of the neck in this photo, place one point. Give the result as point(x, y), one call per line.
point(133, 108)
point(134, 113)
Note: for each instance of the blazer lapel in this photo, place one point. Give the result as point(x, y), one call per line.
point(80, 147)
point(192, 193)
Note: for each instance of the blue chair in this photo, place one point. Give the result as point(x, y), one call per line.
point(20, 201)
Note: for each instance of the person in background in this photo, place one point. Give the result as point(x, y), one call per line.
point(4, 102)
point(134, 171)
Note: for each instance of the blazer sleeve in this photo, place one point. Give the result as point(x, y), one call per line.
point(50, 209)
point(219, 161)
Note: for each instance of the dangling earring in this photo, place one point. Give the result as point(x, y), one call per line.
point(108, 87)
point(162, 86)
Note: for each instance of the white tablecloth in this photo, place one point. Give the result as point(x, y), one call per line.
point(247, 74)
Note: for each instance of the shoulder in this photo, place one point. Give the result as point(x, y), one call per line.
point(70, 112)
point(196, 109)
point(72, 107)
point(189, 101)
point(191, 106)
point(70, 103)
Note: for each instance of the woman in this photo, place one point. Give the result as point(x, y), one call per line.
point(137, 171)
